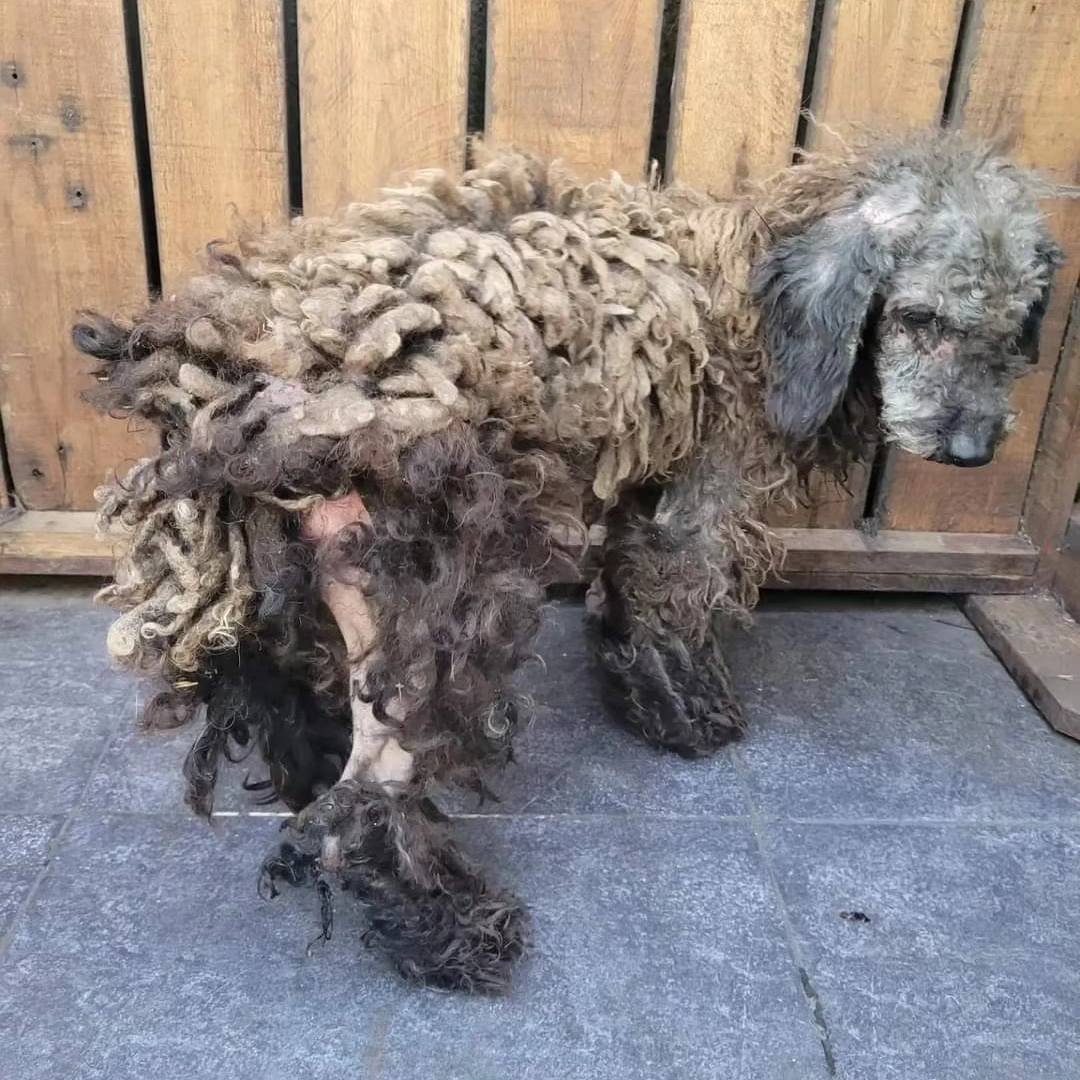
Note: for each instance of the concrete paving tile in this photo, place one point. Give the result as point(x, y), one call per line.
point(658, 954)
point(893, 709)
point(967, 964)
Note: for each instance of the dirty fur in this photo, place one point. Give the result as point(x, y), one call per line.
point(493, 364)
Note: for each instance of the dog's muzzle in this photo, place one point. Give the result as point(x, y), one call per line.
point(971, 442)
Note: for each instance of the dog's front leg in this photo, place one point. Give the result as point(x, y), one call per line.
point(673, 564)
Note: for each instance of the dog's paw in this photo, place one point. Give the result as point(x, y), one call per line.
point(427, 909)
point(674, 704)
point(461, 935)
point(673, 696)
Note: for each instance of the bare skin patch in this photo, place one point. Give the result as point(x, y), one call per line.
point(376, 755)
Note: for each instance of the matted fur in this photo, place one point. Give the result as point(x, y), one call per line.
point(494, 363)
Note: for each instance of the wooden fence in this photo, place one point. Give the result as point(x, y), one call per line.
point(136, 130)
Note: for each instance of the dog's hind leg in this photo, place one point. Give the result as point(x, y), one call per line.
point(377, 831)
point(673, 563)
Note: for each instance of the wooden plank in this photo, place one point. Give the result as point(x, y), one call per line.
point(1055, 474)
point(39, 542)
point(383, 88)
point(5, 495)
point(823, 552)
point(1018, 85)
point(1066, 580)
point(1040, 645)
point(881, 66)
point(70, 237)
point(574, 81)
point(215, 101)
point(901, 582)
point(738, 86)
point(854, 552)
point(65, 543)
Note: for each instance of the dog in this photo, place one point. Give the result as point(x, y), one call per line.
point(385, 432)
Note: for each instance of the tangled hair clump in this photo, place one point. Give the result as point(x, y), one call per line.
point(310, 359)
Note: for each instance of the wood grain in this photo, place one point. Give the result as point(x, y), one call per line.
point(215, 101)
point(881, 66)
point(1040, 645)
point(383, 89)
point(851, 551)
point(738, 85)
point(1055, 473)
point(1066, 580)
point(5, 495)
point(826, 505)
point(70, 237)
point(574, 80)
point(1018, 85)
point(39, 542)
point(906, 582)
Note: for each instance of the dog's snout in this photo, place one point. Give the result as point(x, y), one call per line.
point(972, 444)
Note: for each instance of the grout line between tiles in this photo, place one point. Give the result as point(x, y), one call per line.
point(573, 815)
point(806, 986)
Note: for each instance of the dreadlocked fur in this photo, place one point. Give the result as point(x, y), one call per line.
point(492, 364)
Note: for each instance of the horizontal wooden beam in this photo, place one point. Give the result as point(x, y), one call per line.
point(850, 551)
point(902, 582)
point(55, 542)
point(66, 542)
point(1040, 645)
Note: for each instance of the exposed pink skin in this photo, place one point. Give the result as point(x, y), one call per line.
point(326, 520)
point(376, 755)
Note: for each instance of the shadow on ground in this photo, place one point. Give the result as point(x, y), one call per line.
point(880, 881)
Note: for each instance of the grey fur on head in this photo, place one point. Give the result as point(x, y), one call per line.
point(938, 264)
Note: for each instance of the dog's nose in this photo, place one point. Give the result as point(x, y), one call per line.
point(971, 448)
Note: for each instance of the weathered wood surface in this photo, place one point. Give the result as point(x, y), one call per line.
point(1055, 473)
point(574, 80)
point(850, 551)
point(1040, 645)
point(215, 100)
point(70, 237)
point(738, 83)
point(55, 542)
point(383, 87)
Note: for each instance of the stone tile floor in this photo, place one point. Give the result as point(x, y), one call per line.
point(881, 881)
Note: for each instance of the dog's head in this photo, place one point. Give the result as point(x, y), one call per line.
point(932, 264)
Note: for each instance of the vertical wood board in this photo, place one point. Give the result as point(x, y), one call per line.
point(215, 101)
point(1055, 474)
point(383, 88)
point(574, 80)
point(882, 65)
point(738, 85)
point(70, 237)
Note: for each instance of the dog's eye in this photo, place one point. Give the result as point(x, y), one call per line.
point(919, 319)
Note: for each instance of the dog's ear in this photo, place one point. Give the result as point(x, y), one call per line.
point(1028, 342)
point(815, 289)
